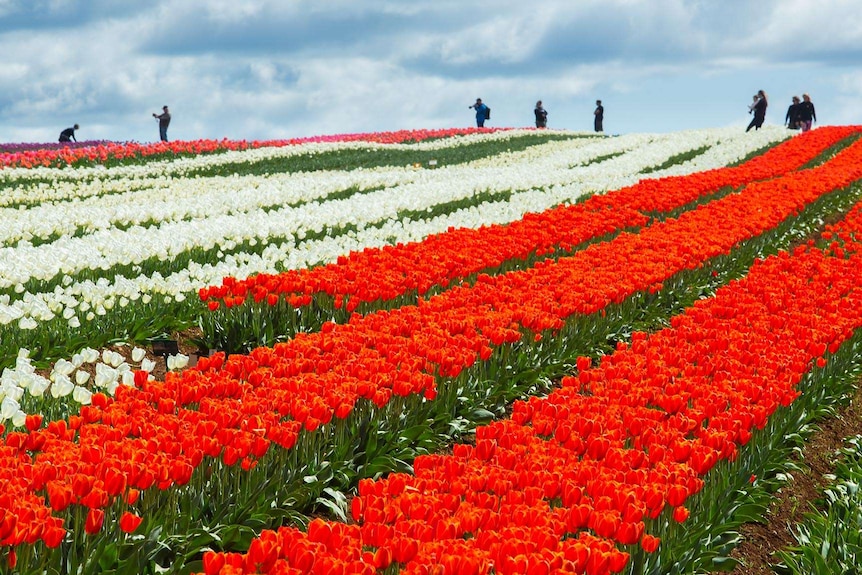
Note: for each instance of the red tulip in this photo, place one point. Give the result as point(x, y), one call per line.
point(129, 522)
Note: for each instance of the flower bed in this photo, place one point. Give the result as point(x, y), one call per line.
point(581, 481)
point(51, 155)
point(233, 409)
point(123, 277)
point(382, 274)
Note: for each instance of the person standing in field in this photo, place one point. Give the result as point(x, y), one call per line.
point(807, 115)
point(753, 103)
point(482, 112)
point(599, 114)
point(541, 115)
point(164, 121)
point(792, 117)
point(68, 135)
point(759, 110)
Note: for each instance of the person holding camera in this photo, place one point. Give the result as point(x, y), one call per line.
point(482, 112)
point(164, 121)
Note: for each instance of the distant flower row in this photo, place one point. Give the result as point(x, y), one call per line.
point(14, 148)
point(33, 155)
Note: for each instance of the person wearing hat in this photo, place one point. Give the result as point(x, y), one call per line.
point(164, 121)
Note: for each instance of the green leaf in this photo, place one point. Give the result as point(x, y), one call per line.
point(724, 564)
point(481, 415)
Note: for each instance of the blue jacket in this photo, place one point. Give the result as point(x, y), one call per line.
point(481, 112)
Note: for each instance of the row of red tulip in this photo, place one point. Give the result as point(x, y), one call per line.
point(105, 151)
point(441, 259)
point(158, 433)
point(569, 483)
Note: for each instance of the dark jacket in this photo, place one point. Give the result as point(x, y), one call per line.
point(792, 117)
point(806, 112)
point(68, 135)
point(760, 108)
point(541, 116)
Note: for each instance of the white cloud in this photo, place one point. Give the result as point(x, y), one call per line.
point(267, 68)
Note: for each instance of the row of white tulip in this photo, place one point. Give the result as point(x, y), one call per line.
point(105, 204)
point(183, 165)
point(70, 383)
point(224, 228)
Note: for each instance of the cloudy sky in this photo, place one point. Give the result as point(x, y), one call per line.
point(247, 69)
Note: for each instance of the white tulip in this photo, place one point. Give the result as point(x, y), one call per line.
point(38, 386)
point(105, 375)
point(115, 359)
point(128, 378)
point(112, 387)
point(148, 365)
point(138, 354)
point(82, 395)
point(23, 365)
point(62, 387)
point(8, 408)
point(81, 377)
point(17, 392)
point(63, 367)
point(19, 418)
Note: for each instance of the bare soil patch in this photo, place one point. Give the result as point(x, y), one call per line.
point(762, 540)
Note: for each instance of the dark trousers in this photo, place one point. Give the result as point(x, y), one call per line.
point(756, 122)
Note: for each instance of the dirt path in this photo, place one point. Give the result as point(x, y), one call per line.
point(761, 540)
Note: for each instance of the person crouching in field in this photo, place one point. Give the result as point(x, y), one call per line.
point(68, 135)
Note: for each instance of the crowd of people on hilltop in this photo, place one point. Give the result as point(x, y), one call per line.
point(483, 113)
point(801, 115)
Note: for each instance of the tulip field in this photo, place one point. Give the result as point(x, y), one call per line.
point(431, 352)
